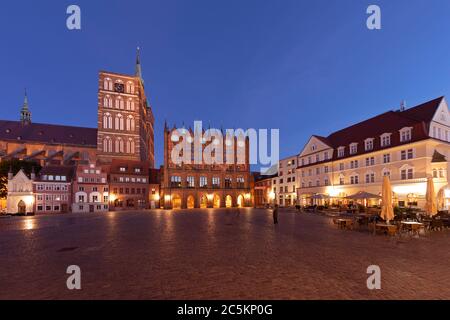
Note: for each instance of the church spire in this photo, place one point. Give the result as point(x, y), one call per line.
point(138, 69)
point(25, 114)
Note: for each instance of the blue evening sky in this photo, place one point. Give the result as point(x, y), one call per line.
point(305, 67)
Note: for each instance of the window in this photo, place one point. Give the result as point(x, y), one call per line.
point(370, 161)
point(107, 84)
point(130, 87)
point(175, 181)
point(385, 139)
point(240, 182)
point(119, 122)
point(406, 154)
point(107, 121)
point(386, 172)
point(368, 144)
point(303, 162)
point(341, 166)
point(405, 134)
point(130, 146)
point(203, 182)
point(317, 157)
point(119, 104)
point(325, 155)
point(353, 148)
point(341, 151)
point(190, 181)
point(386, 158)
point(354, 164)
point(325, 169)
point(303, 174)
point(341, 180)
point(326, 182)
point(130, 125)
point(317, 170)
point(370, 178)
point(216, 182)
point(354, 179)
point(317, 183)
point(407, 174)
point(435, 173)
point(441, 173)
point(119, 145)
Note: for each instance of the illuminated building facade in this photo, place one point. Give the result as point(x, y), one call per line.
point(408, 145)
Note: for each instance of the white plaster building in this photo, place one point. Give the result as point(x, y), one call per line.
point(20, 197)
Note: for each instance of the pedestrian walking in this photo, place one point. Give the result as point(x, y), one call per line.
point(275, 214)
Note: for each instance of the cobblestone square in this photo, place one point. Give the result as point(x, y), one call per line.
point(214, 254)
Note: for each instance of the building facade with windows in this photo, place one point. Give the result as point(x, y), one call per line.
point(190, 185)
point(285, 185)
point(128, 185)
point(406, 145)
point(53, 190)
point(20, 197)
point(125, 118)
point(90, 189)
point(263, 193)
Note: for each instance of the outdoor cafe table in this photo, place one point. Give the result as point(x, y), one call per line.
point(412, 226)
point(391, 229)
point(344, 222)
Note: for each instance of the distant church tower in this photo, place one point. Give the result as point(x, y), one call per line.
point(125, 119)
point(25, 114)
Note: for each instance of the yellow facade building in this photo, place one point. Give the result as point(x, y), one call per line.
point(408, 145)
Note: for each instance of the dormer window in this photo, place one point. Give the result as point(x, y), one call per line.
point(368, 144)
point(405, 134)
point(385, 139)
point(353, 148)
point(341, 151)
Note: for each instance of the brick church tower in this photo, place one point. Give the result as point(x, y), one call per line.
point(125, 119)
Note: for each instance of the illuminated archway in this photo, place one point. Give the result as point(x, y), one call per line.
point(228, 201)
point(240, 201)
point(21, 207)
point(190, 202)
point(176, 202)
point(204, 202)
point(216, 201)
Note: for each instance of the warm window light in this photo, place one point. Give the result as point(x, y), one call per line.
point(247, 196)
point(167, 197)
point(29, 200)
point(156, 197)
point(112, 197)
point(271, 195)
point(210, 197)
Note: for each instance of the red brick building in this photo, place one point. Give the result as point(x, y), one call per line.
point(125, 119)
point(204, 185)
point(263, 190)
point(53, 189)
point(129, 185)
point(90, 189)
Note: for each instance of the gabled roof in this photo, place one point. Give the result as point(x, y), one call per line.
point(48, 133)
point(417, 118)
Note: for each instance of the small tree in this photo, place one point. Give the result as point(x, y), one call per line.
point(15, 165)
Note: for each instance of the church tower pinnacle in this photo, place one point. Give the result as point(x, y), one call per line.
point(25, 114)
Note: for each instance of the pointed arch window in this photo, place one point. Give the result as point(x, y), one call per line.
point(120, 103)
point(119, 122)
point(107, 144)
point(130, 146)
point(119, 145)
point(130, 87)
point(130, 123)
point(107, 121)
point(108, 84)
